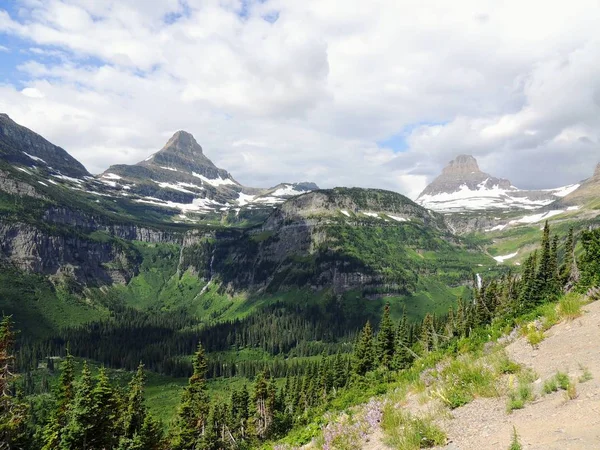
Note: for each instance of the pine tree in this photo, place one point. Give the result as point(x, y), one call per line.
point(385, 339)
point(78, 432)
point(105, 430)
point(543, 275)
point(461, 318)
point(364, 353)
point(428, 335)
point(13, 412)
point(527, 297)
point(194, 407)
point(263, 403)
point(149, 436)
point(135, 408)
point(554, 284)
point(403, 355)
point(569, 258)
point(65, 395)
point(340, 375)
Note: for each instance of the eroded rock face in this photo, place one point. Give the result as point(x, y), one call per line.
point(92, 263)
point(16, 187)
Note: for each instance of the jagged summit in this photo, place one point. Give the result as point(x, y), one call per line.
point(183, 142)
point(463, 186)
point(182, 153)
point(462, 164)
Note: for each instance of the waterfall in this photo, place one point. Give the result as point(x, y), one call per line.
point(210, 271)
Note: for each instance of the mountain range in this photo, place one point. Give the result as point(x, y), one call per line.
point(178, 178)
point(142, 261)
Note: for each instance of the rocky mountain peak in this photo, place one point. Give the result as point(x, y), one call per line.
point(463, 186)
point(462, 164)
point(183, 142)
point(463, 173)
point(19, 145)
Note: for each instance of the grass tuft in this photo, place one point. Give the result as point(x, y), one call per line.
point(463, 380)
point(514, 443)
point(569, 306)
point(407, 432)
point(521, 394)
point(586, 375)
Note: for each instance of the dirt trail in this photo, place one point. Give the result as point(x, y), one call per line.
point(550, 421)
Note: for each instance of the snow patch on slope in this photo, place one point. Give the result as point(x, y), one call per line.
point(35, 158)
point(216, 181)
point(490, 198)
point(503, 258)
point(288, 190)
point(534, 218)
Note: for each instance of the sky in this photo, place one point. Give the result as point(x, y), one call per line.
point(373, 94)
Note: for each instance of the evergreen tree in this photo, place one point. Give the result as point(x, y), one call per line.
point(65, 394)
point(386, 339)
point(590, 260)
point(194, 408)
point(569, 258)
point(403, 355)
point(13, 412)
point(428, 334)
point(263, 403)
point(148, 437)
point(364, 353)
point(527, 297)
point(105, 430)
point(340, 374)
point(78, 432)
point(544, 277)
point(135, 408)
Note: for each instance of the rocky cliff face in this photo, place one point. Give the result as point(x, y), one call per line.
point(81, 246)
point(322, 239)
point(90, 262)
point(16, 187)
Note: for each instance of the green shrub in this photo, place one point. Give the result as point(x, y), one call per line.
point(550, 386)
point(534, 337)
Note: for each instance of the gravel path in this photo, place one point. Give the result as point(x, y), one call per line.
point(551, 421)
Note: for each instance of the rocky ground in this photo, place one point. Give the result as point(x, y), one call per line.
point(550, 421)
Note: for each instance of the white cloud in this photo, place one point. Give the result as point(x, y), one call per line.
point(308, 96)
point(32, 93)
